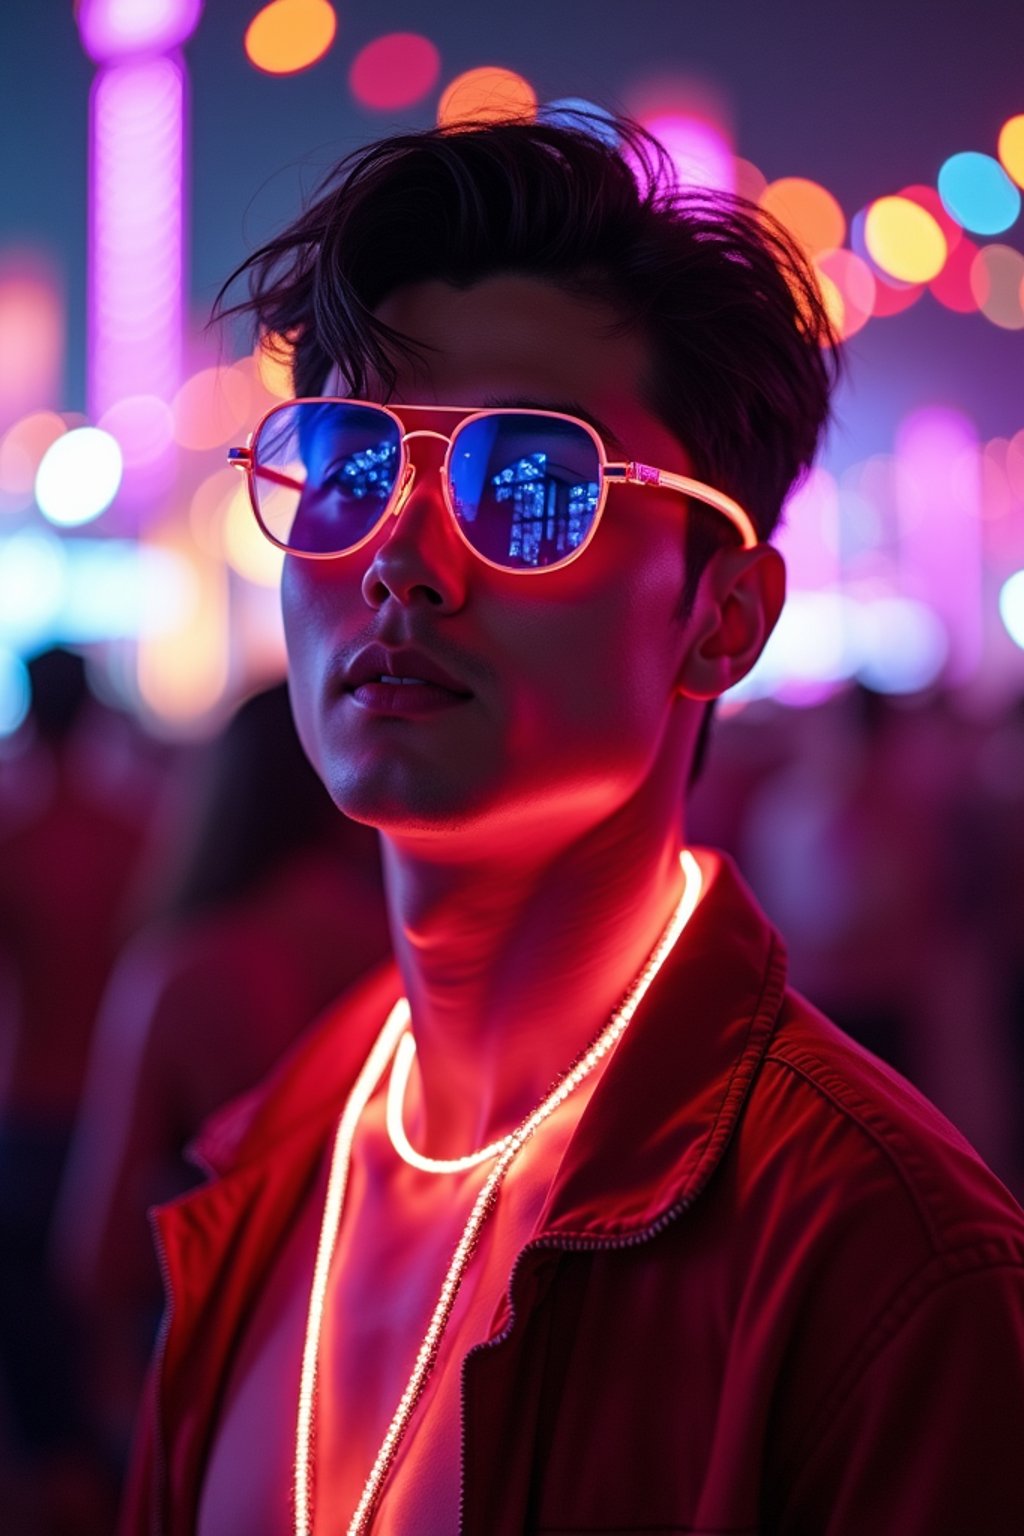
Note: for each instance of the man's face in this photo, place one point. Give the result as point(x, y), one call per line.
point(566, 678)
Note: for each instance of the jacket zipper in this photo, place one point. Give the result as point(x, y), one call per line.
point(560, 1245)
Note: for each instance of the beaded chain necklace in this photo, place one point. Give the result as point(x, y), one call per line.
point(389, 1041)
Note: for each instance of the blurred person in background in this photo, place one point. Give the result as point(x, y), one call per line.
point(869, 848)
point(75, 801)
point(275, 906)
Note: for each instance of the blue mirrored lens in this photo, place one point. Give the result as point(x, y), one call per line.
point(525, 488)
point(324, 473)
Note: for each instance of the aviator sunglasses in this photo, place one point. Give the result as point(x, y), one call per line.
point(524, 488)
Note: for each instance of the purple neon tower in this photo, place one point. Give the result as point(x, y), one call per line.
point(136, 231)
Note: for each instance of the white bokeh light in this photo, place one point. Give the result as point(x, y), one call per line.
point(79, 477)
point(1011, 607)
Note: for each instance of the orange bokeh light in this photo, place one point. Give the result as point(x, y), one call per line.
point(750, 181)
point(809, 212)
point(486, 95)
point(212, 407)
point(289, 35)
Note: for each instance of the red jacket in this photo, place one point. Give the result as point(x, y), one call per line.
point(773, 1290)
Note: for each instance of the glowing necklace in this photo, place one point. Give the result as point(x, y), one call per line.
point(397, 1084)
point(505, 1151)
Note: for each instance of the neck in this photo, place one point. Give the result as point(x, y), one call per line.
point(513, 964)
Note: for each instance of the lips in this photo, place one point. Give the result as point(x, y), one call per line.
point(402, 682)
point(406, 667)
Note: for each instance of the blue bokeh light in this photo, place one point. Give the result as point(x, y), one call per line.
point(977, 192)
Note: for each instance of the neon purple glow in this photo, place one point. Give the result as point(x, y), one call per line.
point(118, 29)
point(699, 150)
point(938, 496)
point(136, 212)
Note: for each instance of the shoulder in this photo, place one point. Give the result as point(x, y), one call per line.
point(854, 1122)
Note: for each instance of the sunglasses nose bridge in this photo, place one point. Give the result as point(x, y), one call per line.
point(409, 473)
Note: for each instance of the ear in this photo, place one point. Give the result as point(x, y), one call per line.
point(738, 602)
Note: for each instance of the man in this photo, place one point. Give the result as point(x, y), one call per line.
point(503, 1257)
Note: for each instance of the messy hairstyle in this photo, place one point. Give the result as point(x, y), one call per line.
point(744, 355)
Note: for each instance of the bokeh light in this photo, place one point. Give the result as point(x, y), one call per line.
point(977, 192)
point(809, 212)
point(394, 71)
point(929, 199)
point(853, 284)
point(22, 448)
point(245, 548)
point(577, 112)
point(952, 286)
point(1011, 607)
point(698, 148)
point(290, 35)
point(113, 29)
point(997, 276)
point(904, 240)
point(1015, 464)
point(891, 295)
point(901, 644)
point(486, 95)
point(33, 587)
point(1011, 148)
point(79, 477)
point(748, 179)
point(212, 407)
point(143, 426)
point(15, 692)
point(136, 220)
point(31, 337)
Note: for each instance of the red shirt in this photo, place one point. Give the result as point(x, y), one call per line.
point(771, 1288)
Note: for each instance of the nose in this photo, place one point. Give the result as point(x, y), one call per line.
point(419, 557)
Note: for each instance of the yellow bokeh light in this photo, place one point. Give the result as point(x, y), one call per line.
point(183, 669)
point(213, 407)
point(208, 508)
point(486, 95)
point(905, 240)
point(22, 448)
point(246, 549)
point(1011, 148)
point(997, 282)
point(289, 35)
point(274, 361)
point(809, 212)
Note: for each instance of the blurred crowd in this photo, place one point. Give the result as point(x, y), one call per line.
point(172, 916)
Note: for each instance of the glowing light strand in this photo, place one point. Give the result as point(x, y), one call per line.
point(397, 1085)
point(366, 1083)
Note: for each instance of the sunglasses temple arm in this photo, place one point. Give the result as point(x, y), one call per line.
point(241, 458)
point(646, 474)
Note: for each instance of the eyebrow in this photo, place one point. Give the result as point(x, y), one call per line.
point(567, 408)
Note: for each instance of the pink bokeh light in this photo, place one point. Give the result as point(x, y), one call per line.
point(119, 29)
point(699, 149)
point(940, 527)
point(395, 71)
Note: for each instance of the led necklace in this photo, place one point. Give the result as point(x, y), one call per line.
point(397, 1084)
point(505, 1151)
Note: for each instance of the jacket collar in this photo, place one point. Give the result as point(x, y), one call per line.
point(657, 1121)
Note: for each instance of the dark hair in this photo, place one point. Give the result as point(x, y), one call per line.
point(744, 353)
